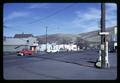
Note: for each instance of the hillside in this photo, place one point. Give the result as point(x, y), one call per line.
point(59, 38)
point(63, 38)
point(93, 35)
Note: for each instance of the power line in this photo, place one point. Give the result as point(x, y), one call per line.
point(50, 15)
point(44, 18)
point(54, 13)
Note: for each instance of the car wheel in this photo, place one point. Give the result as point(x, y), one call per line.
point(18, 55)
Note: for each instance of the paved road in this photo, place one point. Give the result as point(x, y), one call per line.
point(58, 66)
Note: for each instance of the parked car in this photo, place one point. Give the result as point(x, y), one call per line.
point(25, 52)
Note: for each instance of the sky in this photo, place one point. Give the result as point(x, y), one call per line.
point(68, 18)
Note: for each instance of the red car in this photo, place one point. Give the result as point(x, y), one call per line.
point(24, 52)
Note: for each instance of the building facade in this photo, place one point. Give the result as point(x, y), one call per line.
point(17, 44)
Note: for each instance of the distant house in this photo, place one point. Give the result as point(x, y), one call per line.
point(19, 42)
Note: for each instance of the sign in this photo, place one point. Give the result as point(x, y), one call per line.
point(102, 46)
point(115, 30)
point(104, 33)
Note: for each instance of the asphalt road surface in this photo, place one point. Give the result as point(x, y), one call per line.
point(58, 66)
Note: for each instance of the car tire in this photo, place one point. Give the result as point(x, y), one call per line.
point(18, 55)
point(30, 54)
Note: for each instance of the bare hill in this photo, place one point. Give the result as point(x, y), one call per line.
point(93, 35)
point(66, 38)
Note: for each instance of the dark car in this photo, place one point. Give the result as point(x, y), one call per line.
point(25, 52)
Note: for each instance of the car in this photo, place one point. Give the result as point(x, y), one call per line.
point(25, 52)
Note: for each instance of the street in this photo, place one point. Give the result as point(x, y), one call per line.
point(58, 66)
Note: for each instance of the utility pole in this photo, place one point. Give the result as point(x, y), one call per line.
point(103, 36)
point(103, 58)
point(46, 38)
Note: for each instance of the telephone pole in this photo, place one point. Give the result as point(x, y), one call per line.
point(46, 38)
point(103, 53)
point(103, 36)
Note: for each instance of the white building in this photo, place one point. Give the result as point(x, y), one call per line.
point(56, 48)
point(17, 44)
point(68, 47)
point(50, 47)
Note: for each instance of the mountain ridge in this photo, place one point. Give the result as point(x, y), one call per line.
point(91, 36)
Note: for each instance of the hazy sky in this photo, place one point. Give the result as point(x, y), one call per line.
point(70, 18)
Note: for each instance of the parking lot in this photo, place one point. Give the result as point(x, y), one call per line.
point(58, 66)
